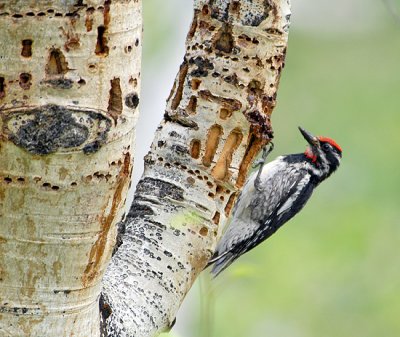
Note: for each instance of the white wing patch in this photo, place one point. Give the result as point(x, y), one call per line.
point(288, 204)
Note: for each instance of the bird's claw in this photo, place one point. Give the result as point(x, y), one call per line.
point(258, 163)
point(266, 152)
point(261, 162)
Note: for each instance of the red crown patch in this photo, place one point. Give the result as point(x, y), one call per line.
point(330, 141)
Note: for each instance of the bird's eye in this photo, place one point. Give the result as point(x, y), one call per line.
point(326, 146)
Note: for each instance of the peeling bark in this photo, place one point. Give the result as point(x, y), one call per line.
point(217, 119)
point(69, 82)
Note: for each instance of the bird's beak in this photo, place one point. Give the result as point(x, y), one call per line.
point(312, 140)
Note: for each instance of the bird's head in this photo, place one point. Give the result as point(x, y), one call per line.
point(323, 152)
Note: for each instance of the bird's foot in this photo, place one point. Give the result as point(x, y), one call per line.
point(266, 152)
point(261, 162)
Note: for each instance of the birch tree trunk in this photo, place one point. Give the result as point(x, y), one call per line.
point(69, 86)
point(217, 119)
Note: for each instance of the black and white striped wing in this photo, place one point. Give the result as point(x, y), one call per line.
point(294, 196)
point(256, 212)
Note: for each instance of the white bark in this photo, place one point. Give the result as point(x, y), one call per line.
point(69, 86)
point(217, 118)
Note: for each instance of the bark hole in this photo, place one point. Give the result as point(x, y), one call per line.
point(115, 100)
point(255, 87)
point(26, 48)
point(195, 83)
point(229, 204)
point(191, 180)
point(253, 147)
point(25, 80)
point(216, 218)
point(235, 6)
point(89, 19)
point(101, 46)
point(57, 64)
point(192, 105)
point(195, 148)
point(221, 169)
point(203, 231)
point(225, 113)
point(214, 134)
point(106, 13)
point(133, 81)
point(225, 42)
point(181, 81)
point(2, 88)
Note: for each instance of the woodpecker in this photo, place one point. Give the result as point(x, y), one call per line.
point(274, 195)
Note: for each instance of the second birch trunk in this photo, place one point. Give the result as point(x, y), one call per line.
point(217, 119)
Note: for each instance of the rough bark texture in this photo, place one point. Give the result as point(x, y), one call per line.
point(217, 119)
point(69, 81)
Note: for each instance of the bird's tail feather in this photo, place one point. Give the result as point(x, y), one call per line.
point(222, 263)
point(216, 257)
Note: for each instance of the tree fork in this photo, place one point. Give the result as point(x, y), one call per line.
point(216, 121)
point(69, 91)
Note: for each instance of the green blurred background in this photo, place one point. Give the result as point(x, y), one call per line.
point(334, 269)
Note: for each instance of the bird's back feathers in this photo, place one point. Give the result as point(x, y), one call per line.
point(256, 216)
